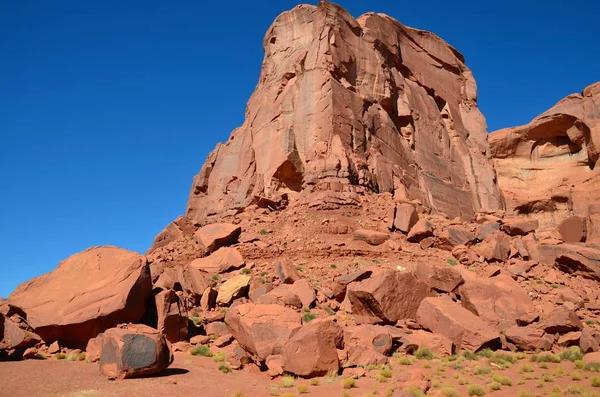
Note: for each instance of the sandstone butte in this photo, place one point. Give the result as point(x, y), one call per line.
point(361, 210)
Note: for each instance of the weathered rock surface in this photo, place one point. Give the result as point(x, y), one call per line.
point(561, 320)
point(133, 351)
point(495, 247)
point(573, 229)
point(87, 293)
point(93, 349)
point(16, 335)
point(172, 320)
point(235, 287)
point(262, 330)
point(344, 105)
point(387, 297)
point(212, 237)
point(375, 337)
point(312, 351)
point(467, 331)
point(372, 237)
point(403, 217)
point(547, 168)
point(223, 260)
point(439, 277)
point(497, 300)
point(419, 339)
point(529, 338)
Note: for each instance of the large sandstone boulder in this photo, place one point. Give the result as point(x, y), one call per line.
point(133, 351)
point(312, 351)
point(87, 293)
point(439, 277)
point(172, 319)
point(387, 297)
point(467, 331)
point(345, 105)
point(262, 330)
point(529, 338)
point(547, 168)
point(412, 340)
point(498, 300)
point(212, 237)
point(375, 337)
point(223, 260)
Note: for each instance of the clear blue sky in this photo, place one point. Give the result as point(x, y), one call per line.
point(108, 108)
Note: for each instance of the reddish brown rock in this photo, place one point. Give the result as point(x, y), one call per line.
point(133, 351)
point(223, 340)
point(465, 255)
point(587, 341)
point(405, 217)
point(304, 291)
point(55, 347)
point(223, 260)
point(452, 236)
point(363, 356)
point(561, 320)
point(274, 364)
point(172, 319)
point(592, 358)
point(371, 300)
point(439, 277)
point(16, 335)
point(353, 277)
point(178, 229)
point(371, 237)
point(573, 229)
point(519, 227)
point(467, 331)
point(500, 301)
point(212, 237)
point(419, 339)
point(569, 339)
point(262, 330)
point(358, 123)
point(209, 299)
point(93, 350)
point(286, 272)
point(218, 328)
point(257, 290)
point(529, 338)
point(573, 259)
point(495, 247)
point(547, 168)
point(87, 293)
point(312, 351)
point(486, 229)
point(374, 337)
point(282, 295)
point(420, 231)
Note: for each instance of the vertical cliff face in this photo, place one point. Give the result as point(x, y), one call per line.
point(547, 169)
point(345, 106)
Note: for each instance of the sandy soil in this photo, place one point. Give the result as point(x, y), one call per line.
point(197, 376)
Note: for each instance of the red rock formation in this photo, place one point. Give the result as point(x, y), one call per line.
point(547, 168)
point(345, 105)
point(88, 293)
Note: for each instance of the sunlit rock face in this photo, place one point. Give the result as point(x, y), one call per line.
point(547, 169)
point(345, 106)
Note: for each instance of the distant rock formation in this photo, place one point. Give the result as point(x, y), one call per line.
point(345, 106)
point(547, 168)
